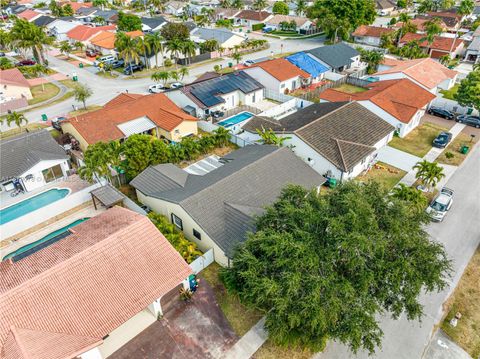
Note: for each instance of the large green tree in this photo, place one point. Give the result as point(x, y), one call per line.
point(128, 22)
point(82, 92)
point(372, 58)
point(280, 7)
point(137, 154)
point(175, 31)
point(27, 36)
point(326, 266)
point(340, 17)
point(468, 93)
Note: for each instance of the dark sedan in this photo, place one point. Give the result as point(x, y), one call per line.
point(440, 112)
point(25, 63)
point(442, 140)
point(131, 68)
point(469, 120)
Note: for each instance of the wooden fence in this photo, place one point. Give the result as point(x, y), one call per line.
point(314, 94)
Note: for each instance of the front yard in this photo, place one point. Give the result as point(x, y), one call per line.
point(466, 301)
point(419, 141)
point(384, 174)
point(43, 93)
point(452, 155)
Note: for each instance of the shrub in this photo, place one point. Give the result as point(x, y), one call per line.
point(257, 27)
point(167, 63)
point(449, 155)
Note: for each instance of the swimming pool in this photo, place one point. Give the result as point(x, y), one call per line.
point(48, 237)
point(32, 204)
point(235, 120)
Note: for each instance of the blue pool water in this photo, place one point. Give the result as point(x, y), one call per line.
point(50, 238)
point(31, 204)
point(234, 120)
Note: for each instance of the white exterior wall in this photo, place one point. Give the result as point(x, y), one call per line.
point(252, 98)
point(38, 179)
point(167, 208)
point(368, 40)
point(92, 354)
point(444, 85)
point(182, 100)
point(264, 78)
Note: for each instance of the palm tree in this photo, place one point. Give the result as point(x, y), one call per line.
point(372, 58)
point(175, 46)
point(17, 118)
point(429, 173)
point(259, 5)
point(26, 35)
point(79, 46)
point(183, 72)
point(65, 48)
point(155, 42)
point(225, 3)
point(301, 7)
point(221, 136)
point(432, 29)
point(237, 4)
point(127, 48)
point(161, 76)
point(144, 48)
point(98, 20)
point(268, 137)
point(174, 75)
point(466, 8)
point(188, 49)
point(38, 70)
point(237, 57)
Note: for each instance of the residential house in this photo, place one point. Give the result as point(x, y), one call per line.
point(225, 13)
point(370, 35)
point(279, 75)
point(401, 103)
point(76, 6)
point(219, 93)
point(109, 16)
point(14, 9)
point(29, 15)
point(302, 23)
point(225, 38)
point(339, 57)
point(308, 64)
point(217, 209)
point(31, 160)
point(249, 18)
point(339, 140)
point(84, 33)
point(175, 8)
point(153, 24)
point(14, 85)
point(86, 14)
point(420, 24)
point(129, 114)
point(429, 74)
point(59, 28)
point(43, 20)
point(104, 41)
point(90, 292)
point(385, 7)
point(441, 46)
point(450, 18)
point(473, 50)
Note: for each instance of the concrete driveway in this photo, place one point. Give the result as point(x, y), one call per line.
point(460, 234)
point(396, 158)
point(442, 347)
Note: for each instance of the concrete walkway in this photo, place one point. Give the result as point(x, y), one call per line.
point(249, 343)
point(442, 347)
point(397, 158)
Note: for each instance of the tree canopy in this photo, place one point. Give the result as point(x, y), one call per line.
point(175, 31)
point(128, 22)
point(468, 93)
point(280, 7)
point(325, 266)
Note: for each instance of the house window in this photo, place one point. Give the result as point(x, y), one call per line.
point(282, 86)
point(253, 97)
point(197, 234)
point(177, 221)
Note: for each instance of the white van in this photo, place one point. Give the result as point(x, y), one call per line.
point(104, 59)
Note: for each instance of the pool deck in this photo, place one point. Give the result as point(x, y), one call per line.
point(35, 236)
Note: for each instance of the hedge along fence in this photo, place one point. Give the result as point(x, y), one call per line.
point(257, 27)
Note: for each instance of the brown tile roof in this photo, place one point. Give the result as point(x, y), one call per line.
point(83, 32)
point(371, 31)
point(449, 18)
point(253, 15)
point(13, 77)
point(281, 69)
point(63, 299)
point(439, 42)
point(106, 39)
point(28, 14)
point(101, 125)
point(400, 98)
point(427, 72)
point(77, 5)
point(277, 19)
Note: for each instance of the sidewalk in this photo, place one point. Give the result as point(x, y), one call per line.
point(249, 343)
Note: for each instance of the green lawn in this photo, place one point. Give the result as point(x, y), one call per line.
point(454, 149)
point(419, 141)
point(15, 131)
point(41, 94)
point(270, 351)
point(449, 93)
point(347, 88)
point(384, 174)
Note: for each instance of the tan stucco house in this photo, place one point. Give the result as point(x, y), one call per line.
point(14, 85)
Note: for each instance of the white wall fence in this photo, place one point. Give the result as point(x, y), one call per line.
point(450, 105)
point(281, 110)
point(210, 127)
point(45, 213)
point(202, 262)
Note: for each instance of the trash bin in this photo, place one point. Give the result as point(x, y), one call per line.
point(75, 78)
point(332, 182)
point(464, 150)
point(80, 65)
point(44, 117)
point(230, 64)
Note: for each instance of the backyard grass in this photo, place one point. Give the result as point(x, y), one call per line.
point(82, 110)
point(240, 317)
point(448, 94)
point(41, 94)
point(388, 176)
point(270, 351)
point(69, 83)
point(466, 300)
point(419, 141)
point(454, 149)
point(347, 88)
point(16, 131)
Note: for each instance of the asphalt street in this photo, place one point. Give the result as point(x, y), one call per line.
point(460, 234)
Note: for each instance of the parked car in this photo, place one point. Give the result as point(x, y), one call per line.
point(157, 88)
point(25, 63)
point(249, 63)
point(107, 59)
point(2, 54)
point(176, 85)
point(440, 205)
point(442, 140)
point(92, 53)
point(267, 29)
point(440, 112)
point(117, 63)
point(469, 120)
point(131, 68)
point(56, 123)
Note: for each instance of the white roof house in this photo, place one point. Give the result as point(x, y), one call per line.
point(59, 28)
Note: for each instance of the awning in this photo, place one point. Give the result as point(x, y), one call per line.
point(107, 195)
point(138, 125)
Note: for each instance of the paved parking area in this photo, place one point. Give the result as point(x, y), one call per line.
point(195, 330)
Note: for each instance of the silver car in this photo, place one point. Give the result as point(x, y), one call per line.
point(440, 205)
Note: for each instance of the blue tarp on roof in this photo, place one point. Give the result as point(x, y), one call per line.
point(307, 63)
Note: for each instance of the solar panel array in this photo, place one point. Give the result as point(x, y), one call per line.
point(209, 91)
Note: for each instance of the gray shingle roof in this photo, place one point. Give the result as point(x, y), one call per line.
point(220, 35)
point(20, 153)
point(153, 22)
point(335, 56)
point(223, 201)
point(43, 20)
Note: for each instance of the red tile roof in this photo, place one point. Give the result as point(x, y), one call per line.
point(101, 125)
point(281, 69)
point(427, 72)
point(28, 14)
point(62, 300)
point(253, 15)
point(13, 77)
point(106, 39)
point(439, 42)
point(371, 31)
point(77, 5)
point(83, 32)
point(400, 98)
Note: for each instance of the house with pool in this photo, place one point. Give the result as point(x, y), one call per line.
point(91, 291)
point(214, 203)
point(31, 160)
